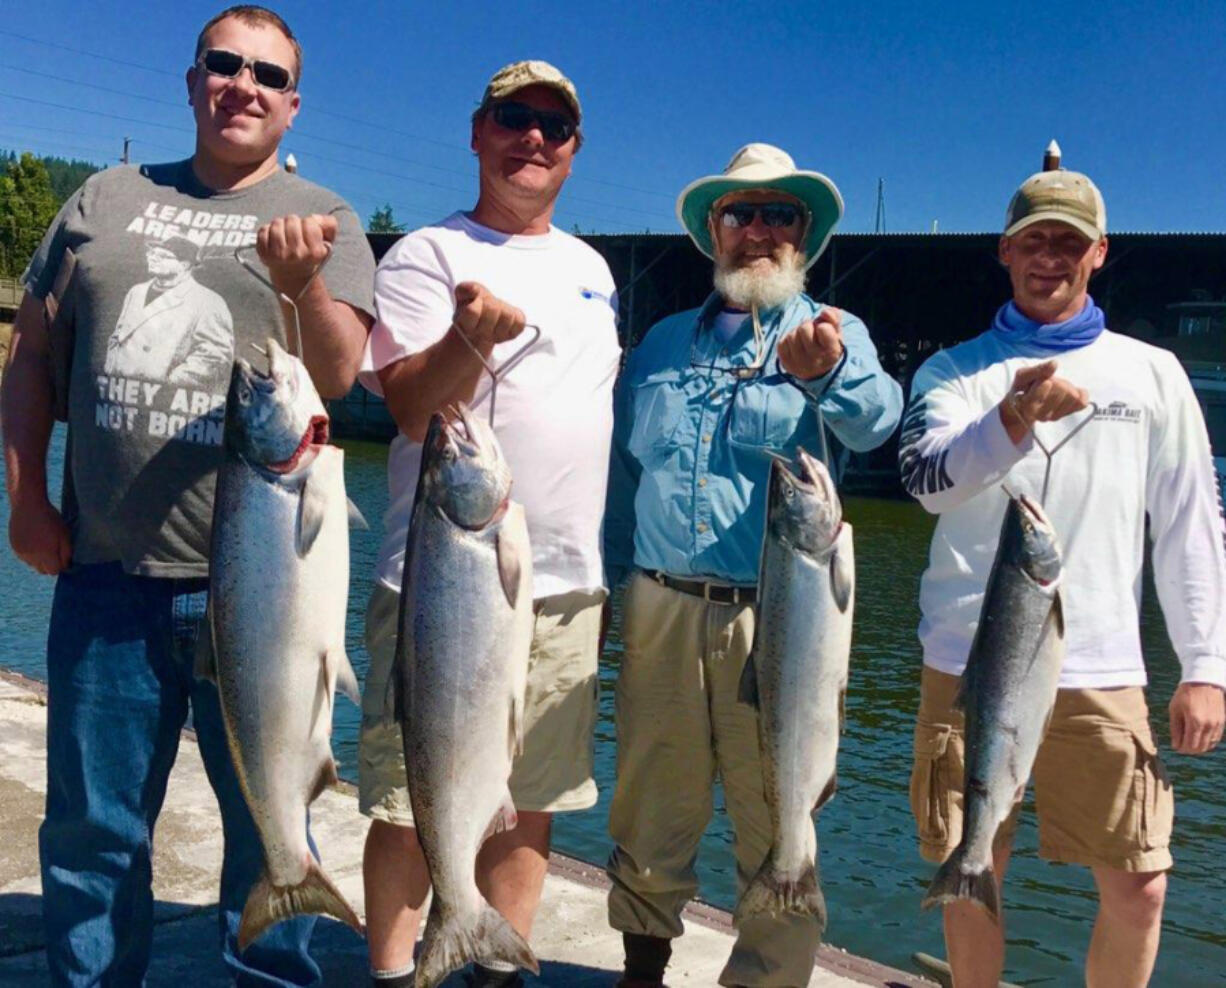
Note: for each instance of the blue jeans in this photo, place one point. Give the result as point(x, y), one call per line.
point(119, 671)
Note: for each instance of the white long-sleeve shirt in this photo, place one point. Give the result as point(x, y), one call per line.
point(1147, 451)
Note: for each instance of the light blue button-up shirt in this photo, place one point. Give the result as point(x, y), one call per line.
point(693, 442)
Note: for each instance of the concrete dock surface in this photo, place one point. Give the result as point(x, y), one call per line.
point(571, 936)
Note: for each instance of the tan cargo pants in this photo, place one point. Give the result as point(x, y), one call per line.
point(679, 724)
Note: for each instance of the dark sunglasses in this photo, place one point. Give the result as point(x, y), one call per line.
point(737, 215)
point(269, 75)
point(557, 127)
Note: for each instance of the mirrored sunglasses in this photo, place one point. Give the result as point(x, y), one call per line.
point(737, 215)
point(557, 127)
point(228, 64)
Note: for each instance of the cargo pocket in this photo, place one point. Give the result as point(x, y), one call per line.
point(1152, 791)
point(931, 782)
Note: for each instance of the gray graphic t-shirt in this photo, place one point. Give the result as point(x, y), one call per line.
point(161, 309)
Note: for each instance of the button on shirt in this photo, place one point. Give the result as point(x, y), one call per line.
point(693, 441)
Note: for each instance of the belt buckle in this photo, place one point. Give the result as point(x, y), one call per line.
point(706, 592)
point(658, 576)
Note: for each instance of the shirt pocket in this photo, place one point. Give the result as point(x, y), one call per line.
point(768, 414)
point(659, 408)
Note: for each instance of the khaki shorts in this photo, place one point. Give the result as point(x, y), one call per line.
point(554, 773)
point(1102, 794)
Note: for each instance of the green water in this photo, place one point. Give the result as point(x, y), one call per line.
point(871, 872)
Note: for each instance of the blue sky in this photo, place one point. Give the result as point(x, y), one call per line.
point(950, 104)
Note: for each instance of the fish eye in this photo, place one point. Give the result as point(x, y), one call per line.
point(244, 394)
point(449, 453)
point(788, 493)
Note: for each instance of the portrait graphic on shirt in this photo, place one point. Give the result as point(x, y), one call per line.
point(168, 360)
point(171, 328)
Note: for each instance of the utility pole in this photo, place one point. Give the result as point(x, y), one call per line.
point(127, 141)
point(879, 222)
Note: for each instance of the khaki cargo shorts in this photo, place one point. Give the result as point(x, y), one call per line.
point(1102, 794)
point(554, 773)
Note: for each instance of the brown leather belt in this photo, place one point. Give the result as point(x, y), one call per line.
point(716, 593)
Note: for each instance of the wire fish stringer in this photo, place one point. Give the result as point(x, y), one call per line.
point(498, 373)
point(294, 342)
point(1049, 453)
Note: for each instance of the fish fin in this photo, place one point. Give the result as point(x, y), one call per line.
point(345, 679)
point(1057, 611)
point(449, 944)
point(204, 665)
point(506, 817)
point(312, 506)
point(515, 732)
point(268, 904)
point(356, 518)
point(841, 580)
point(327, 777)
point(747, 691)
point(508, 568)
point(828, 793)
point(953, 882)
point(772, 893)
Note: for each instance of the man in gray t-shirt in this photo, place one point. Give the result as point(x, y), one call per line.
point(160, 308)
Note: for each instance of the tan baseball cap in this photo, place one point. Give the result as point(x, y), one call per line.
point(1062, 196)
point(520, 75)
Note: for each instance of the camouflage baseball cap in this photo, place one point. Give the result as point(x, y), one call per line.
point(520, 75)
point(1062, 196)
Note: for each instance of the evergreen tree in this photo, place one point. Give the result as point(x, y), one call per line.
point(382, 221)
point(27, 207)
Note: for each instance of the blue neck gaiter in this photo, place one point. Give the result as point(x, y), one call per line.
point(1021, 330)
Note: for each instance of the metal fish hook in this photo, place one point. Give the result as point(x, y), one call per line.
point(295, 344)
point(498, 373)
point(1049, 453)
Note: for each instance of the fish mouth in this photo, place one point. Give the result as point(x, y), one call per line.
point(313, 439)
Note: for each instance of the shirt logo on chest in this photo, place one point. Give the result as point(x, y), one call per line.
point(1118, 411)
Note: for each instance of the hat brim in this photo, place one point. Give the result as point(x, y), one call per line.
point(1081, 226)
point(815, 190)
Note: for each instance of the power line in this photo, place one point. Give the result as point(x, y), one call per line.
point(304, 135)
point(382, 126)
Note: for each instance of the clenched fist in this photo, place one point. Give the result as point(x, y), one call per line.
point(814, 347)
point(293, 248)
point(483, 318)
point(1037, 395)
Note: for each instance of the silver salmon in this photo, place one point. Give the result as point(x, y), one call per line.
point(461, 672)
point(797, 677)
point(278, 588)
point(1007, 692)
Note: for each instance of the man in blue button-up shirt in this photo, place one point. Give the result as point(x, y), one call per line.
point(705, 402)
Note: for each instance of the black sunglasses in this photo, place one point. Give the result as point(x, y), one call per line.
point(557, 127)
point(269, 75)
point(737, 215)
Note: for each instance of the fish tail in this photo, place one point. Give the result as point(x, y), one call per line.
point(954, 881)
point(773, 892)
point(269, 904)
point(450, 944)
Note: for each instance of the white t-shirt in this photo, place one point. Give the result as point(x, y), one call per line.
point(1147, 451)
point(554, 412)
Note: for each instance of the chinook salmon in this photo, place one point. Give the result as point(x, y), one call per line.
point(1008, 690)
point(278, 589)
point(461, 671)
point(797, 676)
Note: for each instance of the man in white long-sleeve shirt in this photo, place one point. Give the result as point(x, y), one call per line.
point(1104, 799)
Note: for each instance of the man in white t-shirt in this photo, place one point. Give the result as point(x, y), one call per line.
point(1104, 798)
point(484, 275)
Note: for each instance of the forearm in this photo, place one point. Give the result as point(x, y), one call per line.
point(334, 335)
point(946, 460)
point(26, 406)
point(422, 383)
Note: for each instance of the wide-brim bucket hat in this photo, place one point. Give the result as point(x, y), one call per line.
point(763, 166)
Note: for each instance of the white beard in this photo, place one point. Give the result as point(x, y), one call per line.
point(750, 286)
